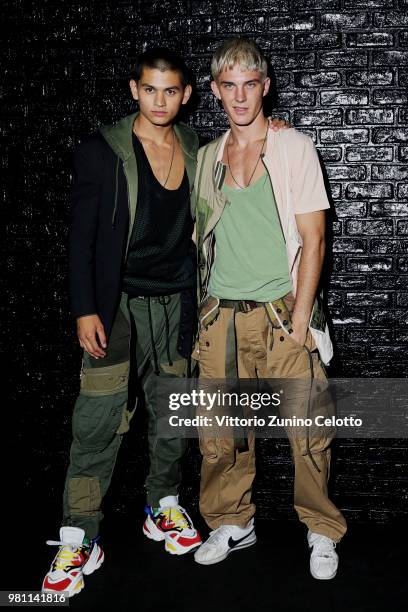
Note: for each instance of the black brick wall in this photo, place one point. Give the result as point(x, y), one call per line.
point(342, 71)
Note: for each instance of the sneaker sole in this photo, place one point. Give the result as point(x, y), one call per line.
point(93, 564)
point(152, 532)
point(322, 577)
point(174, 549)
point(74, 588)
point(225, 555)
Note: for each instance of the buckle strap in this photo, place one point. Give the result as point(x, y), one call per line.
point(279, 313)
point(240, 305)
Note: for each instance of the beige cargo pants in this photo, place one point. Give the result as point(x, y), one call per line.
point(227, 473)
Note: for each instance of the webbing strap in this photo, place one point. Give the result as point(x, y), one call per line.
point(231, 366)
point(231, 370)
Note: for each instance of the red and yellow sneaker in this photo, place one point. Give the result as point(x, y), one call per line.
point(76, 557)
point(170, 522)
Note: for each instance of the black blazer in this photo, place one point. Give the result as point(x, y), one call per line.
point(98, 233)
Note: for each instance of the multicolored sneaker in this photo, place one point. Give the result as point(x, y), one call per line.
point(170, 522)
point(76, 557)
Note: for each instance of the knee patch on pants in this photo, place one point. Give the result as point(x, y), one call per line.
point(96, 382)
point(84, 495)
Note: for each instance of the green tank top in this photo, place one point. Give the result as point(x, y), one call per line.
point(250, 261)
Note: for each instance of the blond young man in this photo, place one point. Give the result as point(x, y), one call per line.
point(260, 218)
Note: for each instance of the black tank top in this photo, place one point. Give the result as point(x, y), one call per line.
point(161, 254)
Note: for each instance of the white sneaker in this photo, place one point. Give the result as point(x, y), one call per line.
point(323, 557)
point(224, 540)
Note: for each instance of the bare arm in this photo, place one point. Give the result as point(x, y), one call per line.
point(311, 227)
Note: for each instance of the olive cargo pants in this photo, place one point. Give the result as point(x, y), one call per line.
point(102, 415)
point(227, 473)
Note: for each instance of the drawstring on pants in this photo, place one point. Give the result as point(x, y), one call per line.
point(155, 360)
point(164, 301)
point(308, 451)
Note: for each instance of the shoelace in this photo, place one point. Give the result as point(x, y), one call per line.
point(323, 547)
point(219, 534)
point(178, 516)
point(66, 555)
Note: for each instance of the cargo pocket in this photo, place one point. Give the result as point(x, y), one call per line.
point(97, 382)
point(96, 420)
point(322, 408)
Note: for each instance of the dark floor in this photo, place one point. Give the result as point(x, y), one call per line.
point(273, 575)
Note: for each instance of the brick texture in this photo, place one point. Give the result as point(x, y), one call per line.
point(342, 71)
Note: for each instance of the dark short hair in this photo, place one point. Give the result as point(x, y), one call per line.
point(162, 59)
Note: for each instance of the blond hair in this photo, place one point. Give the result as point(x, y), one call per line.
point(239, 51)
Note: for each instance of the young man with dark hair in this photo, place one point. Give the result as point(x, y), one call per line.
point(132, 277)
point(261, 240)
point(132, 284)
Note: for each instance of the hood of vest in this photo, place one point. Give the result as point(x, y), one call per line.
point(119, 137)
